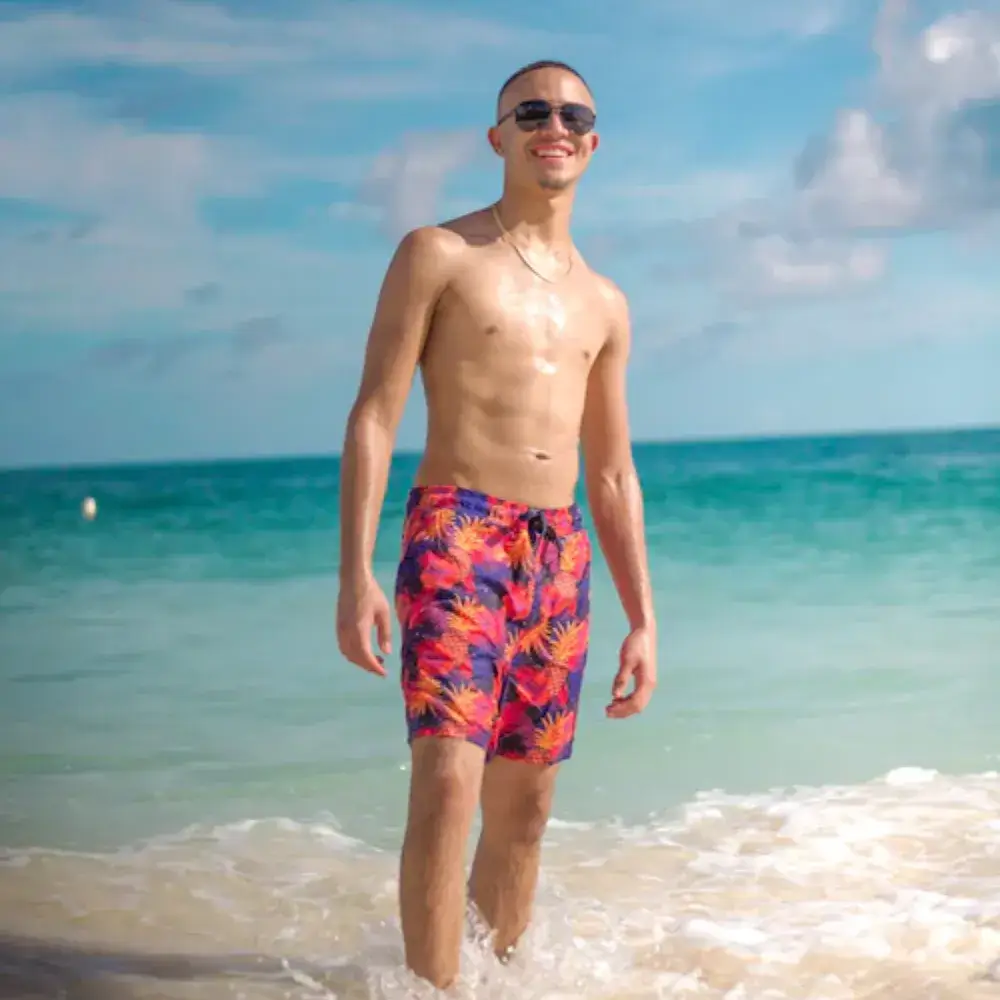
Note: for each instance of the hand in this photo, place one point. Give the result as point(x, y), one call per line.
point(361, 607)
point(638, 664)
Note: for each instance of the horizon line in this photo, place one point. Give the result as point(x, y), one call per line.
point(695, 439)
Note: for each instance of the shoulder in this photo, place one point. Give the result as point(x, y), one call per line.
point(614, 307)
point(436, 250)
point(610, 295)
point(428, 247)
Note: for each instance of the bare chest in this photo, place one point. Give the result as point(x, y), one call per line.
point(510, 318)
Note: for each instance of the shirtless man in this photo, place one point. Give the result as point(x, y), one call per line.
point(522, 350)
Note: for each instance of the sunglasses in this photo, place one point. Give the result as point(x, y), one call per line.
point(529, 116)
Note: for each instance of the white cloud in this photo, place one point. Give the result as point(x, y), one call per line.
point(919, 158)
point(718, 38)
point(134, 240)
point(777, 265)
point(405, 183)
point(952, 61)
point(940, 309)
point(854, 184)
point(331, 52)
point(690, 196)
point(196, 37)
point(750, 258)
point(927, 165)
point(943, 308)
point(132, 195)
point(142, 243)
point(762, 19)
point(52, 151)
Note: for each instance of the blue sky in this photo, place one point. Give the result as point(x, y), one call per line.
point(198, 200)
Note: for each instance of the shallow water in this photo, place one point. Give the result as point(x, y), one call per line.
point(830, 619)
point(889, 889)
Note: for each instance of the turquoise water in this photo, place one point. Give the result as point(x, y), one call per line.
point(830, 641)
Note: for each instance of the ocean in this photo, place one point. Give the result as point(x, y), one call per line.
point(200, 798)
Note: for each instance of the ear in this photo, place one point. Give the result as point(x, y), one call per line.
point(493, 136)
point(595, 141)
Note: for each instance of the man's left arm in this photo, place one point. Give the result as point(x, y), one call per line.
point(615, 497)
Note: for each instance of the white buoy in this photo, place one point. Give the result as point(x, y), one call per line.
point(89, 508)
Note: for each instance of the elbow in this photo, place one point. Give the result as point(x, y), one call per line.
point(369, 428)
point(612, 487)
point(371, 415)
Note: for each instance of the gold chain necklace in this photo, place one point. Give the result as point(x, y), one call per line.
point(524, 260)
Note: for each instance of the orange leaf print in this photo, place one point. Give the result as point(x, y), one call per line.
point(512, 648)
point(436, 526)
point(465, 615)
point(565, 585)
point(471, 534)
point(554, 735)
point(522, 598)
point(423, 695)
point(573, 556)
point(542, 686)
point(568, 642)
point(442, 656)
point(535, 638)
point(475, 622)
point(561, 596)
point(521, 553)
point(468, 704)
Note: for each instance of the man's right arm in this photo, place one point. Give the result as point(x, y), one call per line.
point(413, 283)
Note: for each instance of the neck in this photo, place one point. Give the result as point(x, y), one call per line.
point(536, 215)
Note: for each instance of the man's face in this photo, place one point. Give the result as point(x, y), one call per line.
point(550, 150)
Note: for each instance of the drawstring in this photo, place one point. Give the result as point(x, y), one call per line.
point(539, 527)
point(539, 530)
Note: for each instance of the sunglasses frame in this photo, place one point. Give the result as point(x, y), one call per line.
point(553, 109)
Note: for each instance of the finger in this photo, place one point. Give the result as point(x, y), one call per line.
point(620, 684)
point(622, 708)
point(383, 629)
point(636, 702)
point(625, 707)
point(373, 664)
point(361, 655)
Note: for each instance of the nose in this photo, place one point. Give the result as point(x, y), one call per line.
point(554, 125)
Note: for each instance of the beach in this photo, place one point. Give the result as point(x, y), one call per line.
point(200, 798)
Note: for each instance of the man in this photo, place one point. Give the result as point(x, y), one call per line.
point(522, 349)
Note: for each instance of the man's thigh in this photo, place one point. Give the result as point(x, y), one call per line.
point(517, 799)
point(445, 781)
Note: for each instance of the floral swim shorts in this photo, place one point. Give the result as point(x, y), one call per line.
point(493, 599)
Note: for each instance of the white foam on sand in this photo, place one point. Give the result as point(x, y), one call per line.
point(888, 889)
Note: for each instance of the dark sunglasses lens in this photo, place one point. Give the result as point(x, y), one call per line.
point(530, 115)
point(578, 118)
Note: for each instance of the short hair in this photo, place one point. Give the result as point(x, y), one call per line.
point(531, 67)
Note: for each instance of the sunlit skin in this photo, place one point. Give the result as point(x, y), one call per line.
point(505, 372)
point(519, 372)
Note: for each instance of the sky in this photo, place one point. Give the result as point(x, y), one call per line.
point(198, 200)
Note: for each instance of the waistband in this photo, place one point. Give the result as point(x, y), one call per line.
point(562, 520)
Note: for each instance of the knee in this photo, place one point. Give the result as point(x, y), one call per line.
point(522, 820)
point(443, 793)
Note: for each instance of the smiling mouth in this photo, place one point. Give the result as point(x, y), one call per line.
point(551, 153)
